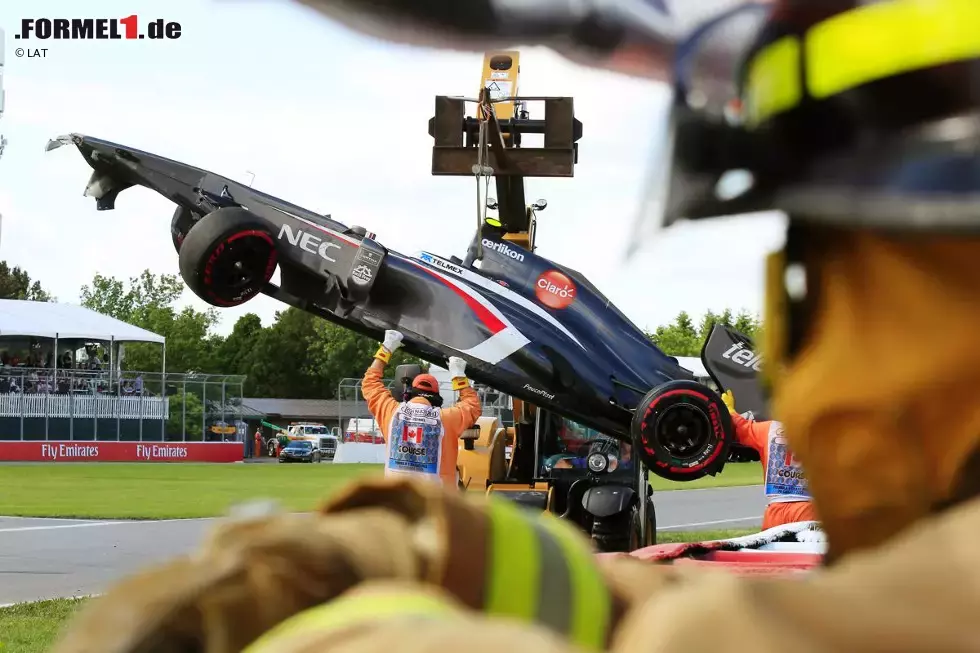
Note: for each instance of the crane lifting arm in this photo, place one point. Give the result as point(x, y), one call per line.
point(491, 143)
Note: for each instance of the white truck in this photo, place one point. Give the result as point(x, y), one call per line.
point(320, 435)
point(363, 429)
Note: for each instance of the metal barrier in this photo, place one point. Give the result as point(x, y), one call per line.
point(67, 404)
point(496, 404)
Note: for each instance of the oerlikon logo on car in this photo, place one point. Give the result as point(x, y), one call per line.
point(554, 289)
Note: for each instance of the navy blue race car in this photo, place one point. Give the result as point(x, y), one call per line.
point(526, 326)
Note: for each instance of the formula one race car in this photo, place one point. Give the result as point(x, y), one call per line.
point(527, 326)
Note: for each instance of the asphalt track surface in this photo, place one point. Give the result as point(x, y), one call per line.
point(48, 558)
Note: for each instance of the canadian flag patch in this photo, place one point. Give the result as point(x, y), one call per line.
point(413, 434)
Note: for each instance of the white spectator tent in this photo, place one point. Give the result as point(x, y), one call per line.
point(694, 365)
point(68, 322)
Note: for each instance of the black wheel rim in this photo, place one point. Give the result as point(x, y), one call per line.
point(240, 265)
point(683, 430)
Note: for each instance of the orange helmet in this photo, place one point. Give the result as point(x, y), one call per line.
point(426, 383)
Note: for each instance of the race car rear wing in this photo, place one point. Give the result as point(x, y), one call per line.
point(733, 363)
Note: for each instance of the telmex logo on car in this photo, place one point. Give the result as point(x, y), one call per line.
point(502, 248)
point(441, 263)
point(308, 242)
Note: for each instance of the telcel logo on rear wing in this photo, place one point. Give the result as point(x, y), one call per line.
point(741, 355)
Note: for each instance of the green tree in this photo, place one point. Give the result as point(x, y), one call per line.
point(148, 301)
point(186, 416)
point(682, 338)
point(749, 324)
point(232, 354)
point(277, 362)
point(15, 283)
point(337, 353)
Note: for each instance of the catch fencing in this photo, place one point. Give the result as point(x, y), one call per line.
point(133, 406)
point(351, 406)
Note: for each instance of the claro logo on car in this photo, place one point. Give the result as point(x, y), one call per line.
point(554, 289)
point(502, 248)
point(308, 242)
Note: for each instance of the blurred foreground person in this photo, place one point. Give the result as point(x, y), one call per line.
point(860, 121)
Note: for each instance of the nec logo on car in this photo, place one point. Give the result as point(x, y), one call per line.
point(502, 248)
point(308, 242)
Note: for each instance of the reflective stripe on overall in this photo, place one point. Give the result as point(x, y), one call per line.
point(857, 47)
point(535, 568)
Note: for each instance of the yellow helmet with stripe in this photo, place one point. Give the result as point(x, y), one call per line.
point(834, 111)
point(839, 113)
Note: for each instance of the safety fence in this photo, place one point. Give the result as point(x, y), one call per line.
point(84, 406)
point(356, 424)
point(354, 421)
point(66, 405)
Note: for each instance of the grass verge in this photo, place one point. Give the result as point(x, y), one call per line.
point(164, 491)
point(734, 475)
point(33, 627)
point(674, 537)
point(186, 490)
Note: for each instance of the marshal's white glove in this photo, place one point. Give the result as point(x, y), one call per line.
point(393, 340)
point(457, 367)
point(457, 372)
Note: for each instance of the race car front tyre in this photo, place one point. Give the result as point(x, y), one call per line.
point(682, 431)
point(228, 257)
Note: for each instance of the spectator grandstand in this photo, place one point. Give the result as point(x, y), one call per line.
point(62, 378)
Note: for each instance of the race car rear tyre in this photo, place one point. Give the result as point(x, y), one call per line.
point(228, 257)
point(682, 431)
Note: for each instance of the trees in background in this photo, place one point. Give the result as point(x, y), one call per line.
point(149, 301)
point(684, 337)
point(15, 283)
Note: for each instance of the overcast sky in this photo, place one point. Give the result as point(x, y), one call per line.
point(337, 123)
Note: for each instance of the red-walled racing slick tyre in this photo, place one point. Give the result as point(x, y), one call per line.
point(682, 431)
point(228, 257)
